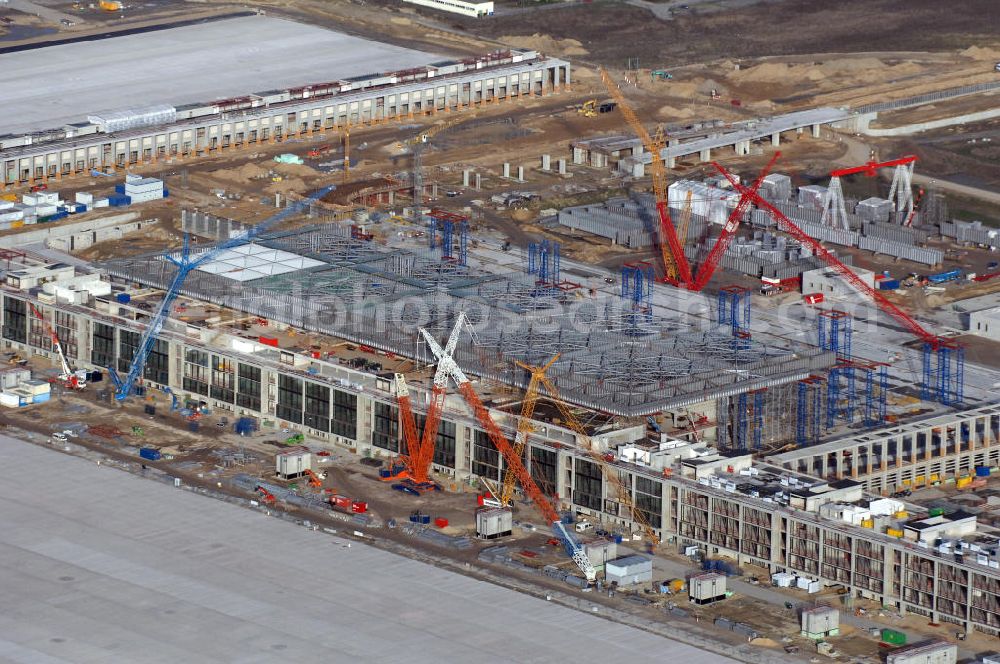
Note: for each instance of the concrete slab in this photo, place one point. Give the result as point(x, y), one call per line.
point(49, 87)
point(102, 566)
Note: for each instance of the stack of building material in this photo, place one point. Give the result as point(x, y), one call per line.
point(811, 196)
point(776, 187)
point(901, 250)
point(874, 209)
point(140, 189)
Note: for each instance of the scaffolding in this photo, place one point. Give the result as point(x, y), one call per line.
point(809, 413)
point(876, 379)
point(734, 310)
point(637, 287)
point(448, 223)
point(944, 372)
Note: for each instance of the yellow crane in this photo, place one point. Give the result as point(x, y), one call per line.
point(416, 146)
point(675, 264)
point(610, 472)
point(682, 230)
point(524, 426)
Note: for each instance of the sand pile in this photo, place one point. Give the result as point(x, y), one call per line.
point(295, 169)
point(285, 186)
point(979, 53)
point(546, 44)
point(674, 113)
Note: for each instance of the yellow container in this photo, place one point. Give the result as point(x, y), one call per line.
point(919, 480)
point(893, 532)
point(935, 477)
point(17, 224)
point(963, 482)
point(906, 482)
point(868, 523)
point(901, 515)
point(8, 197)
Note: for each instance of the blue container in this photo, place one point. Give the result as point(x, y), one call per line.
point(165, 192)
point(982, 471)
point(193, 426)
point(150, 454)
point(42, 398)
point(95, 377)
point(384, 473)
point(119, 189)
point(245, 426)
point(123, 298)
point(119, 201)
point(942, 277)
point(425, 519)
point(888, 284)
point(618, 538)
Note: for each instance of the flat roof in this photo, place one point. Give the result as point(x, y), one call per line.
point(49, 87)
point(135, 570)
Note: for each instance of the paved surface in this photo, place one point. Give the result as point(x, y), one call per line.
point(49, 87)
point(48, 13)
point(102, 566)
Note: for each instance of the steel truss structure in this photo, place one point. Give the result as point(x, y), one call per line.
point(380, 297)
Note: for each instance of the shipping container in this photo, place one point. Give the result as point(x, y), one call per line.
point(150, 453)
point(942, 277)
point(441, 522)
point(123, 298)
point(268, 341)
point(888, 284)
point(982, 471)
point(359, 507)
point(893, 637)
point(935, 511)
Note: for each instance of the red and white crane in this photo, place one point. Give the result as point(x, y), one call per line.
point(900, 192)
point(449, 366)
point(76, 380)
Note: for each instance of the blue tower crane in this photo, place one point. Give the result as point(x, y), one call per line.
point(185, 264)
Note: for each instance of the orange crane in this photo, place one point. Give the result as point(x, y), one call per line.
point(675, 263)
point(314, 479)
point(420, 452)
point(524, 427)
point(451, 369)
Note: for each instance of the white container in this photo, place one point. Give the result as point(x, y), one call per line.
point(84, 197)
point(493, 523)
point(101, 202)
point(9, 400)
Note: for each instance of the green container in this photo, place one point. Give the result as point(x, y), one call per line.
point(893, 637)
point(935, 511)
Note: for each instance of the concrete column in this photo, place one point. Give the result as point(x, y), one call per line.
point(434, 192)
point(506, 169)
point(815, 131)
point(776, 139)
point(520, 173)
point(579, 156)
point(562, 166)
point(466, 175)
point(705, 155)
point(546, 162)
point(671, 162)
point(479, 181)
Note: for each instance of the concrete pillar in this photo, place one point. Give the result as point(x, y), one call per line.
point(479, 181)
point(546, 162)
point(671, 162)
point(776, 139)
point(506, 169)
point(520, 173)
point(562, 166)
point(466, 174)
point(815, 131)
point(705, 155)
point(579, 156)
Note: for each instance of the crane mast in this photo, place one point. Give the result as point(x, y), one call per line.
point(675, 263)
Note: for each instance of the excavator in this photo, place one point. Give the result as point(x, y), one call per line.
point(588, 108)
point(314, 479)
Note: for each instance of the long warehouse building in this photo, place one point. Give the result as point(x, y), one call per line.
point(152, 125)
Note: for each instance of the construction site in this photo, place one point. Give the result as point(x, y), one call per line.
point(674, 343)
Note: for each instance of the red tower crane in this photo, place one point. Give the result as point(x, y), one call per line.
point(729, 230)
point(787, 225)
